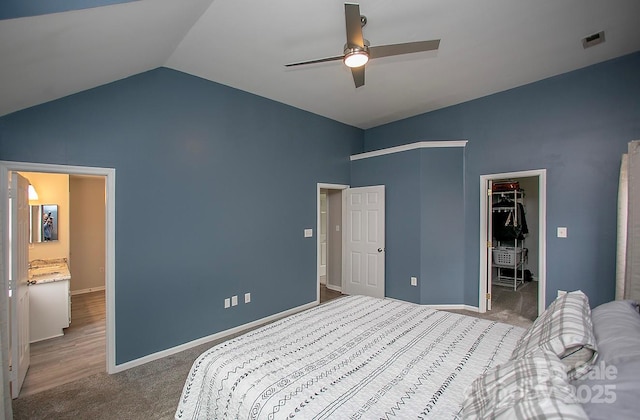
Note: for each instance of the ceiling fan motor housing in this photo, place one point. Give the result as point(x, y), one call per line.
point(356, 56)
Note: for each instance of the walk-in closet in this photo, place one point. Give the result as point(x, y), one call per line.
point(509, 223)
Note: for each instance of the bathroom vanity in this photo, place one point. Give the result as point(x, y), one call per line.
point(49, 298)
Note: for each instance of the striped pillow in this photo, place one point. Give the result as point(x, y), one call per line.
point(532, 387)
point(564, 328)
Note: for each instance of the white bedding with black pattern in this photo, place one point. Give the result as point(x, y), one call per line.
point(354, 357)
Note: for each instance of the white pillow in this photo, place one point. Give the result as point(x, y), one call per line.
point(616, 327)
point(564, 328)
point(612, 389)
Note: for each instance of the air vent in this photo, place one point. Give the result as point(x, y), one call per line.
point(592, 40)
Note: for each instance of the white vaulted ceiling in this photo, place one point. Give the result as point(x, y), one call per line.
point(486, 46)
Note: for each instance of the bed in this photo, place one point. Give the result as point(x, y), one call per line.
point(360, 357)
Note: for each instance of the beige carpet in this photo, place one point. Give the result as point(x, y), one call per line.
point(511, 307)
point(151, 391)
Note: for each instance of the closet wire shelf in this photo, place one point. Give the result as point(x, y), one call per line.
point(509, 257)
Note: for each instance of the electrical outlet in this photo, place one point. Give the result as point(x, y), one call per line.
point(227, 303)
point(247, 297)
point(234, 300)
point(562, 232)
point(414, 281)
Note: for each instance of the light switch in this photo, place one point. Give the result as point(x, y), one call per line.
point(562, 232)
point(247, 297)
point(308, 233)
point(227, 302)
point(337, 228)
point(234, 300)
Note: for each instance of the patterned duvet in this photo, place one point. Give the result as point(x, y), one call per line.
point(355, 357)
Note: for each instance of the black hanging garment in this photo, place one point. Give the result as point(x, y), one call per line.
point(506, 226)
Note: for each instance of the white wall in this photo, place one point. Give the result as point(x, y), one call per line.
point(334, 273)
point(531, 204)
point(87, 245)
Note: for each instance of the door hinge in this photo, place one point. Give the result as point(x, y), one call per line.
point(489, 244)
point(489, 192)
point(488, 296)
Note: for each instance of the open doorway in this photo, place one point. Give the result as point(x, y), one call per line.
point(512, 252)
point(78, 350)
point(329, 226)
point(108, 203)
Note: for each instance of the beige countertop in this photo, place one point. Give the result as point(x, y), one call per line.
point(47, 271)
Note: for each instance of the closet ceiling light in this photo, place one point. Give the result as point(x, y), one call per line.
point(33, 195)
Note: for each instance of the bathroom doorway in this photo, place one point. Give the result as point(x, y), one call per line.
point(108, 176)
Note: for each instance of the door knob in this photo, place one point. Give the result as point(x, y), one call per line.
point(380, 250)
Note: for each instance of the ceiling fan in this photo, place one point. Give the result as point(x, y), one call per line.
point(357, 51)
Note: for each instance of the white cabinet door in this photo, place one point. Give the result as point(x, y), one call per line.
point(49, 310)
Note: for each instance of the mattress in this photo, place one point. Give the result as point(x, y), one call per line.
point(355, 357)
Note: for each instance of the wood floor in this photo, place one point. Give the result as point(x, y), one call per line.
point(328, 294)
point(81, 352)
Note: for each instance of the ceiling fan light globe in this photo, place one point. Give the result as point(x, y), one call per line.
point(356, 58)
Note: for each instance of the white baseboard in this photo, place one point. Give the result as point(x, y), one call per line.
point(334, 288)
point(455, 307)
point(444, 307)
point(46, 338)
point(168, 352)
point(89, 290)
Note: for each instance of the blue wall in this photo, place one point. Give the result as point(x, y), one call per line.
point(575, 125)
point(400, 174)
point(12, 9)
point(214, 187)
point(442, 225)
point(424, 221)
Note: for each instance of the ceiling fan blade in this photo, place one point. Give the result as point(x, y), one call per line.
point(358, 75)
point(354, 26)
point(406, 48)
point(320, 60)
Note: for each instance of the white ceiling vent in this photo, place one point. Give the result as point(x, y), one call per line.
point(592, 40)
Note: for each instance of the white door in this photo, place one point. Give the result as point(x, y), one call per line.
point(19, 282)
point(489, 242)
point(364, 253)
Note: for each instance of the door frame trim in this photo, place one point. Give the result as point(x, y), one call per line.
point(325, 186)
point(110, 217)
point(542, 227)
